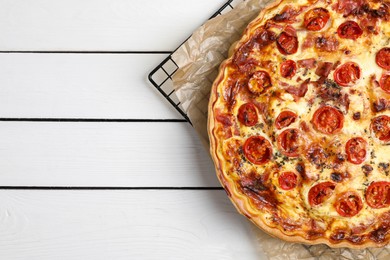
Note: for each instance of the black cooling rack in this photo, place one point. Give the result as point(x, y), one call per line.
point(161, 76)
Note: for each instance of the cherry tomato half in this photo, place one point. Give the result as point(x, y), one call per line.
point(288, 69)
point(247, 114)
point(321, 192)
point(285, 118)
point(288, 142)
point(328, 120)
point(316, 19)
point(257, 150)
point(383, 58)
point(380, 126)
point(349, 30)
point(347, 74)
point(356, 150)
point(348, 204)
point(287, 180)
point(378, 194)
point(384, 83)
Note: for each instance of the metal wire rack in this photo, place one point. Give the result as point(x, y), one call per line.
point(161, 76)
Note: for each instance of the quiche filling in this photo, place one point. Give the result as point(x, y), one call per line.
point(299, 122)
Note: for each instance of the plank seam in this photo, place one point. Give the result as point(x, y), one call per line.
point(103, 188)
point(88, 52)
point(92, 120)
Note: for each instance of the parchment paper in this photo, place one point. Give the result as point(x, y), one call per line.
point(198, 60)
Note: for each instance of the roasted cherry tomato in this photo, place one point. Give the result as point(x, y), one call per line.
point(285, 118)
point(356, 150)
point(349, 30)
point(287, 41)
point(288, 142)
point(328, 120)
point(348, 204)
point(316, 19)
point(287, 180)
point(383, 58)
point(259, 82)
point(347, 74)
point(384, 83)
point(247, 114)
point(257, 150)
point(378, 194)
point(380, 126)
point(288, 69)
point(320, 192)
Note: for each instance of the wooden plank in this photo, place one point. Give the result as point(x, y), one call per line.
point(90, 25)
point(81, 86)
point(103, 155)
point(146, 224)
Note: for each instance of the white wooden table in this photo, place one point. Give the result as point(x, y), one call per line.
point(95, 164)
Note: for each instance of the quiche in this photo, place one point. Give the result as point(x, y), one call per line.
point(299, 122)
